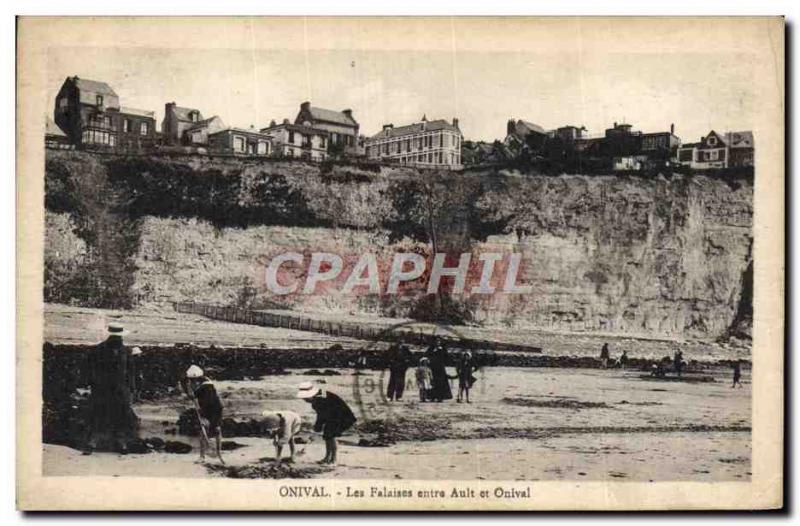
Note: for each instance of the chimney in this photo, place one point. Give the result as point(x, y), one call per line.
point(455, 123)
point(672, 128)
point(511, 127)
point(615, 124)
point(286, 121)
point(272, 123)
point(387, 127)
point(306, 106)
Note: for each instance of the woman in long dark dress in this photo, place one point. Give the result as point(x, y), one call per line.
point(441, 384)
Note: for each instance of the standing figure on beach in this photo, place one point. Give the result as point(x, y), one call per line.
point(464, 370)
point(334, 417)
point(678, 363)
point(437, 354)
point(623, 360)
point(737, 374)
point(111, 420)
point(605, 355)
point(207, 406)
point(399, 358)
point(135, 373)
point(424, 378)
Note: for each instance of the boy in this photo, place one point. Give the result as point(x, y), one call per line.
point(334, 417)
point(282, 426)
point(207, 406)
point(424, 377)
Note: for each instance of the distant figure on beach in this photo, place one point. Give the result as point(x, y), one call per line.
point(111, 421)
point(282, 426)
point(424, 378)
point(334, 417)
point(398, 361)
point(437, 354)
point(207, 406)
point(737, 374)
point(658, 369)
point(623, 360)
point(464, 369)
point(678, 363)
point(605, 355)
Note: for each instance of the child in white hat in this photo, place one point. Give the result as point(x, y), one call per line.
point(208, 407)
point(334, 416)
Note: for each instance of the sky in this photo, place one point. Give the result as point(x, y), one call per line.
point(569, 85)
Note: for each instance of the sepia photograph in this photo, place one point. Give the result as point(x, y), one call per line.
point(419, 263)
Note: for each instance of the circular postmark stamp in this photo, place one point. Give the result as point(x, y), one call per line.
point(390, 369)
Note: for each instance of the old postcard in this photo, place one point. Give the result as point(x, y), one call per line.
point(400, 263)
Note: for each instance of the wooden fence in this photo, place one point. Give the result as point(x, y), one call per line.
point(408, 332)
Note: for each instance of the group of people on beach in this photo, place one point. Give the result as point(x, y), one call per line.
point(334, 417)
point(430, 373)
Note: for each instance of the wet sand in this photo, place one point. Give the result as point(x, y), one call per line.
point(523, 424)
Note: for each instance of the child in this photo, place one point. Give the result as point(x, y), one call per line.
point(334, 416)
point(282, 426)
point(424, 377)
point(208, 407)
point(464, 371)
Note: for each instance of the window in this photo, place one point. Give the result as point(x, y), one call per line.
point(238, 144)
point(291, 137)
point(126, 125)
point(322, 142)
point(263, 148)
point(99, 100)
point(194, 116)
point(441, 140)
point(712, 141)
point(63, 102)
point(143, 128)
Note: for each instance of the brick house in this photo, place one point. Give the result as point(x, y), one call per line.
point(90, 115)
point(343, 138)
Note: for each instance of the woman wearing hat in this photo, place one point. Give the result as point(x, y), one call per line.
point(112, 422)
point(334, 416)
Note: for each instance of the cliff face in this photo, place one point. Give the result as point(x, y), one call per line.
point(665, 256)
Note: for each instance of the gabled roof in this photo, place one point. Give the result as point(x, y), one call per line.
point(204, 123)
point(524, 128)
point(183, 113)
point(135, 111)
point(417, 127)
point(95, 86)
point(740, 139)
point(333, 116)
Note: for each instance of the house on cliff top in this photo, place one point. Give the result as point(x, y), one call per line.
point(719, 150)
point(187, 126)
point(428, 144)
point(89, 113)
point(341, 126)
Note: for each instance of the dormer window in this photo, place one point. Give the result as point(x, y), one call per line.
point(712, 141)
point(193, 116)
point(99, 100)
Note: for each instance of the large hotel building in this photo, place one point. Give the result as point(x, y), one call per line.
point(428, 144)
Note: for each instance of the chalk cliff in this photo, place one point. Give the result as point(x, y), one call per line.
point(659, 256)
